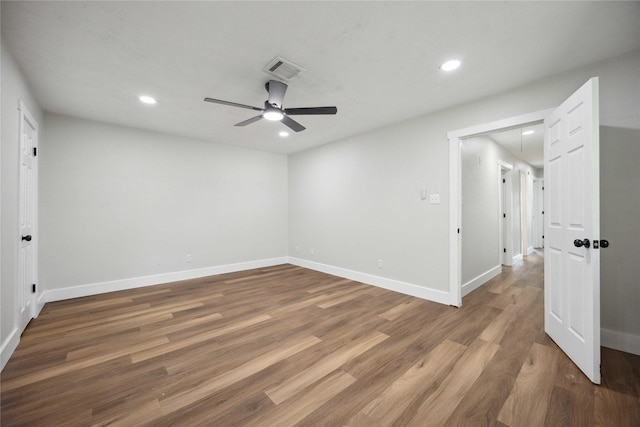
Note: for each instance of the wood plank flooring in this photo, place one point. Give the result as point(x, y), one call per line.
point(285, 346)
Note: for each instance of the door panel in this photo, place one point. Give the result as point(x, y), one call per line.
point(27, 256)
point(571, 199)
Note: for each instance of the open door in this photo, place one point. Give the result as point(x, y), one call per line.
point(572, 227)
point(28, 190)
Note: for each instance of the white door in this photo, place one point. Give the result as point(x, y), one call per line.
point(27, 255)
point(503, 217)
point(572, 226)
point(538, 214)
point(524, 224)
point(506, 224)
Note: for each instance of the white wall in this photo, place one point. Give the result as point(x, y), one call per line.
point(357, 200)
point(620, 224)
point(14, 88)
point(120, 203)
point(480, 220)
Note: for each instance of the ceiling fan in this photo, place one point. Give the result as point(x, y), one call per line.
point(273, 108)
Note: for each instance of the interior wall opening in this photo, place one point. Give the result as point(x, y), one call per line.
point(498, 222)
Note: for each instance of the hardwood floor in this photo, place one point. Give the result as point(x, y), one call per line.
point(285, 346)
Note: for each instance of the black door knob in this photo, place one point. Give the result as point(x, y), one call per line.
point(579, 243)
point(604, 243)
point(27, 238)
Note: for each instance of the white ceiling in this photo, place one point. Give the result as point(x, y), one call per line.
point(529, 147)
point(376, 61)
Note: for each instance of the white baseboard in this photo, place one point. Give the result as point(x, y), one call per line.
point(157, 279)
point(530, 250)
point(475, 283)
point(620, 341)
point(40, 304)
point(516, 259)
point(381, 282)
point(8, 347)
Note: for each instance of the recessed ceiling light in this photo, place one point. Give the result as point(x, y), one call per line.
point(147, 99)
point(451, 65)
point(528, 132)
point(284, 134)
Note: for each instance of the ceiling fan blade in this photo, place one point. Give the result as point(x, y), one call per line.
point(310, 111)
point(276, 91)
point(249, 121)
point(232, 104)
point(295, 126)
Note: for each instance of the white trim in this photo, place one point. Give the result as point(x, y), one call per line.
point(381, 282)
point(516, 259)
point(8, 347)
point(530, 250)
point(40, 304)
point(524, 237)
point(455, 221)
point(537, 228)
point(506, 255)
point(480, 280)
point(157, 279)
point(620, 341)
point(502, 124)
point(455, 138)
point(137, 282)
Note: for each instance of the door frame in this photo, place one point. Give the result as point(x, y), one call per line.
point(505, 200)
point(538, 218)
point(524, 207)
point(455, 188)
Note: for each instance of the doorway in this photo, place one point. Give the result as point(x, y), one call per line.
point(28, 219)
point(455, 187)
point(505, 196)
point(572, 282)
point(524, 223)
point(495, 207)
point(537, 216)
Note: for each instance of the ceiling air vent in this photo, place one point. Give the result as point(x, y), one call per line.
point(283, 69)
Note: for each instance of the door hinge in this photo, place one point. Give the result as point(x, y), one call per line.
point(504, 180)
point(458, 231)
point(504, 250)
point(33, 288)
point(35, 151)
point(542, 188)
point(542, 212)
point(504, 215)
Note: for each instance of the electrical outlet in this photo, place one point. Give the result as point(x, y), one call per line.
point(312, 251)
point(297, 249)
point(434, 199)
point(380, 263)
point(188, 258)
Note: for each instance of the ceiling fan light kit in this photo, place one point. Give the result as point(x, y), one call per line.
point(273, 109)
point(272, 114)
